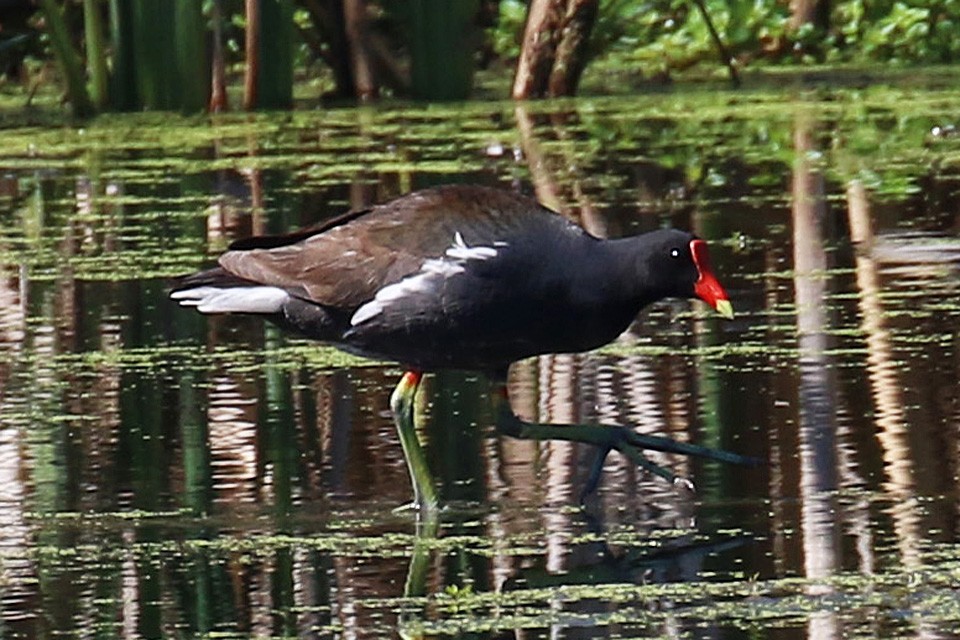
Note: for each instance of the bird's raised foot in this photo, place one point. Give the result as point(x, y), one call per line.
point(615, 437)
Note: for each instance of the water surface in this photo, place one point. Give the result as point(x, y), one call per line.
point(168, 475)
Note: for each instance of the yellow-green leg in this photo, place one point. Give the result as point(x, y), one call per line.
point(402, 404)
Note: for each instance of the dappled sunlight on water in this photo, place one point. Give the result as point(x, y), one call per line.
point(164, 474)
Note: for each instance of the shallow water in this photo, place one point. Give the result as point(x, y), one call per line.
point(165, 475)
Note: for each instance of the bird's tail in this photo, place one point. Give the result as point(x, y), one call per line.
point(218, 291)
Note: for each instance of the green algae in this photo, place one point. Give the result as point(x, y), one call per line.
point(747, 604)
point(125, 473)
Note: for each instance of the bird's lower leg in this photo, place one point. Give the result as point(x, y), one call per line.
point(607, 438)
point(402, 404)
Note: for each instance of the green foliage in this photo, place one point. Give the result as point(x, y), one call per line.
point(677, 35)
point(660, 36)
point(68, 58)
point(663, 34)
point(154, 54)
point(508, 33)
point(915, 31)
point(441, 42)
point(276, 54)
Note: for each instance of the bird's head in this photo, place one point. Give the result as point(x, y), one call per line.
point(677, 264)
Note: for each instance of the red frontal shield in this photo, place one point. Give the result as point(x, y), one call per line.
point(707, 287)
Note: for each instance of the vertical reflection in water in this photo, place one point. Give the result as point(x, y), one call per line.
point(679, 416)
point(102, 307)
point(227, 215)
point(640, 383)
point(778, 408)
point(232, 425)
point(142, 426)
point(375, 468)
point(194, 436)
point(234, 462)
point(43, 447)
point(713, 402)
point(257, 592)
point(709, 401)
point(644, 413)
point(886, 390)
point(102, 436)
point(558, 382)
point(129, 586)
point(35, 464)
point(310, 595)
point(334, 410)
point(818, 476)
point(277, 425)
point(519, 458)
point(544, 186)
point(231, 416)
point(511, 473)
point(619, 482)
point(12, 321)
point(255, 179)
point(18, 575)
point(457, 410)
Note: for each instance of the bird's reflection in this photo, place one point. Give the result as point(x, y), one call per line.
point(592, 554)
point(678, 557)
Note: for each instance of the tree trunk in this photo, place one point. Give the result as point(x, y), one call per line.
point(809, 11)
point(328, 41)
point(553, 54)
point(355, 21)
point(539, 48)
point(218, 72)
point(252, 51)
point(571, 56)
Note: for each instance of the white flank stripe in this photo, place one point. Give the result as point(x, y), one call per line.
point(365, 312)
point(471, 253)
point(428, 279)
point(462, 251)
point(440, 267)
point(233, 299)
point(431, 274)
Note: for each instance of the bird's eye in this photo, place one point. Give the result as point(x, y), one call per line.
point(674, 253)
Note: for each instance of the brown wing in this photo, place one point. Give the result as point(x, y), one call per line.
point(344, 262)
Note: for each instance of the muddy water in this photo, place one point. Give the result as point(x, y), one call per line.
point(166, 475)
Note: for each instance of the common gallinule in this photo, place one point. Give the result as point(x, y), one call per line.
point(463, 277)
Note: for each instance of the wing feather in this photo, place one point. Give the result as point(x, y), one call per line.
point(344, 265)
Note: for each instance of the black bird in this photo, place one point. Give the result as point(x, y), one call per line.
point(463, 277)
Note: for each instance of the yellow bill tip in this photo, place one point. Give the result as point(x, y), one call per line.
point(725, 309)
